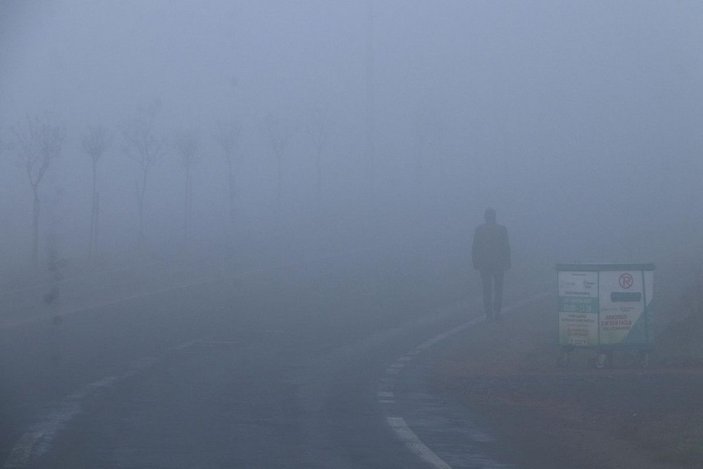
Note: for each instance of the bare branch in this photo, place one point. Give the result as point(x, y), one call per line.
point(141, 143)
point(187, 144)
point(96, 141)
point(38, 142)
point(143, 146)
point(278, 134)
point(227, 136)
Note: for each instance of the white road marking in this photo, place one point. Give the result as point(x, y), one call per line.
point(38, 440)
point(398, 424)
point(40, 437)
point(35, 442)
point(414, 444)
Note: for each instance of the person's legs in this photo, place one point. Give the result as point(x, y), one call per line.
point(487, 281)
point(498, 292)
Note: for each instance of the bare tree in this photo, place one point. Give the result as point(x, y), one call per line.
point(144, 147)
point(279, 135)
point(318, 129)
point(96, 141)
point(187, 145)
point(38, 143)
point(227, 137)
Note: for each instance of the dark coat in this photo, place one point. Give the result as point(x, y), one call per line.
point(491, 248)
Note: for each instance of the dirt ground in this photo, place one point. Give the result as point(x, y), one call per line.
point(579, 416)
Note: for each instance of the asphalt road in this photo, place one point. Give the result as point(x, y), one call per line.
point(259, 371)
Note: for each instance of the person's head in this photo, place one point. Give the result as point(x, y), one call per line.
point(489, 215)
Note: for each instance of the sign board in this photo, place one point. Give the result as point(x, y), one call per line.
point(605, 304)
point(578, 308)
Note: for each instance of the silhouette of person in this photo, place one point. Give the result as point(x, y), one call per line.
point(490, 255)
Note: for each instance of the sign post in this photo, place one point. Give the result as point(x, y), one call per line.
point(605, 307)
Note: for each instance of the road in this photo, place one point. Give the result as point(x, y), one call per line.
point(266, 370)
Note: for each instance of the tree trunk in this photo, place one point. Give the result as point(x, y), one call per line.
point(279, 188)
point(318, 167)
point(232, 189)
point(141, 217)
point(419, 170)
point(93, 215)
point(188, 203)
point(35, 228)
point(141, 191)
point(96, 231)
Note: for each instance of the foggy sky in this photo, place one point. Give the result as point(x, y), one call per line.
point(575, 120)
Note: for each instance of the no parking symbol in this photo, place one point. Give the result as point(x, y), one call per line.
point(625, 280)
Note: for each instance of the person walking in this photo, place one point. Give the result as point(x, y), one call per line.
point(490, 255)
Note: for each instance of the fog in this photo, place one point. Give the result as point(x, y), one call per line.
point(576, 121)
point(232, 218)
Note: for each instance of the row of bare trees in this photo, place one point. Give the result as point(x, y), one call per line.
point(37, 142)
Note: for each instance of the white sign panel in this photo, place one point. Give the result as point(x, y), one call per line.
point(578, 308)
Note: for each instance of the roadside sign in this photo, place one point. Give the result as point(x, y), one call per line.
point(605, 305)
